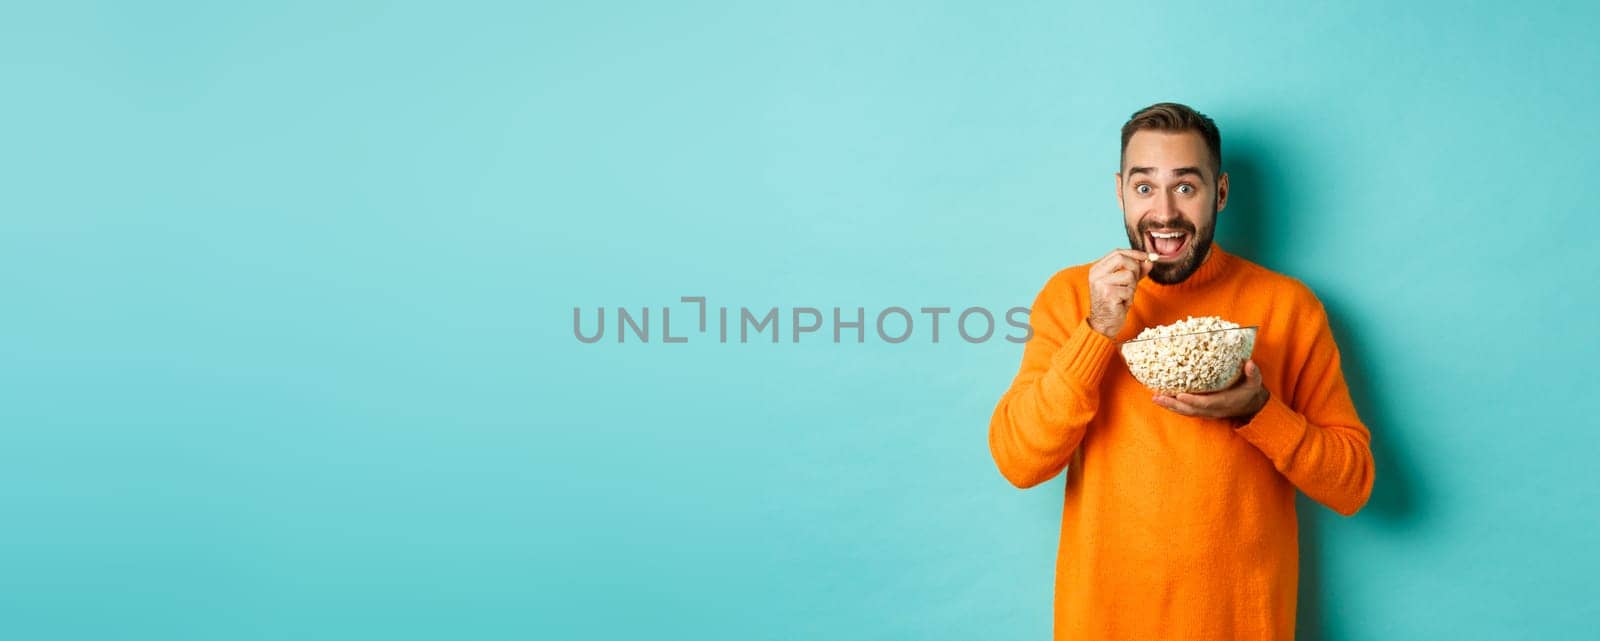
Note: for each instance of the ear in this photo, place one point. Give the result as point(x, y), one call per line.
point(1222, 191)
point(1117, 185)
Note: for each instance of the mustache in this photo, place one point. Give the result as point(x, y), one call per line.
point(1183, 225)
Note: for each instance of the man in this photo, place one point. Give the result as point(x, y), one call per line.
point(1179, 515)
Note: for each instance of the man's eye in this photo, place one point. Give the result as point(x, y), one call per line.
point(1186, 189)
point(1143, 189)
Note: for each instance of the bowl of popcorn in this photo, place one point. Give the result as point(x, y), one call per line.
point(1196, 355)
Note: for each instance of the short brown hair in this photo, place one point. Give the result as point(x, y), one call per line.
point(1171, 116)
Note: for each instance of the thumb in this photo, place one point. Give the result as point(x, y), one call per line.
point(1251, 371)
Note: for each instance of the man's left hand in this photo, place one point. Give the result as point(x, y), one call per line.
point(1241, 401)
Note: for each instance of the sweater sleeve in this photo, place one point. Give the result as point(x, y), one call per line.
point(1315, 437)
point(1041, 418)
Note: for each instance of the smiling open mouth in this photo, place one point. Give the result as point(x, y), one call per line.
point(1166, 243)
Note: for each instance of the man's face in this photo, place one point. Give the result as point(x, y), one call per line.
point(1170, 196)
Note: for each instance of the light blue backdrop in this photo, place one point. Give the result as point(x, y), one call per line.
point(288, 295)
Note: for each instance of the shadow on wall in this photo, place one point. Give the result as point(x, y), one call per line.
point(1243, 224)
point(1259, 218)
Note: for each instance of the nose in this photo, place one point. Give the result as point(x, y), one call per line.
point(1165, 210)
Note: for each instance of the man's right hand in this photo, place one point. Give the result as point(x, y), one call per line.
point(1112, 282)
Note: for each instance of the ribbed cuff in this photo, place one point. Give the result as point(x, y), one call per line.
point(1276, 430)
point(1083, 358)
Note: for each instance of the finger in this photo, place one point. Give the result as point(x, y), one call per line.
point(1125, 259)
point(1143, 262)
point(1121, 278)
point(1139, 256)
point(1138, 265)
point(1249, 377)
point(1145, 268)
point(1176, 405)
point(1116, 263)
point(1122, 299)
point(1200, 401)
point(1117, 294)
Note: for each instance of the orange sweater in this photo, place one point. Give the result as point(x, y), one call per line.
point(1176, 527)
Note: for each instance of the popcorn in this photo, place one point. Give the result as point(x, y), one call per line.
point(1192, 355)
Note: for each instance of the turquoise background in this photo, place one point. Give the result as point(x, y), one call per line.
point(288, 293)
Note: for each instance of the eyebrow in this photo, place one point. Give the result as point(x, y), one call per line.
point(1181, 171)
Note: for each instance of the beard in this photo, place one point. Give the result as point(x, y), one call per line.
point(1180, 269)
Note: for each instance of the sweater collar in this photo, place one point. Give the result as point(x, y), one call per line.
point(1216, 264)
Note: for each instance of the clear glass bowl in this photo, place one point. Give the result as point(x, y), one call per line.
point(1194, 363)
